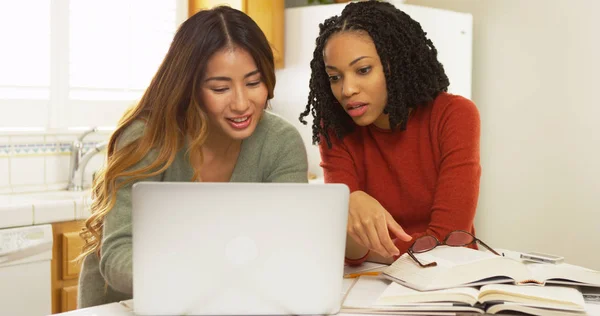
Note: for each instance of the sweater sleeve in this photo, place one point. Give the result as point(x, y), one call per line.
point(116, 248)
point(337, 163)
point(457, 190)
point(286, 154)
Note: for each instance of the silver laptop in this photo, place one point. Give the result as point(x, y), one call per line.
point(238, 248)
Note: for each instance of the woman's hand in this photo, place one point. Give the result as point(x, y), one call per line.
point(369, 225)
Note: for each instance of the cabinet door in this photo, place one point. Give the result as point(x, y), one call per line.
point(268, 14)
point(69, 298)
point(72, 245)
point(197, 5)
point(67, 243)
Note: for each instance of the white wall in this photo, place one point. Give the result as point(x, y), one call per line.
point(535, 68)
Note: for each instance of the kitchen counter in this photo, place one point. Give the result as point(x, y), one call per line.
point(23, 209)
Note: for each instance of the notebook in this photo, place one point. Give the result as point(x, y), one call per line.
point(538, 300)
point(238, 248)
point(461, 266)
point(363, 295)
point(375, 295)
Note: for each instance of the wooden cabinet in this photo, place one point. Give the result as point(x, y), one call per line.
point(68, 297)
point(65, 272)
point(72, 244)
point(268, 14)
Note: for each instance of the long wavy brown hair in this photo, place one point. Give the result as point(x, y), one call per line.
point(172, 109)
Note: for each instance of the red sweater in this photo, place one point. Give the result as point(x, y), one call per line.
point(427, 176)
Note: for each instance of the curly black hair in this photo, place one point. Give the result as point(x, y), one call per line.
point(413, 73)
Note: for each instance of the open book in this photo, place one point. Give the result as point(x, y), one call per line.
point(493, 298)
point(464, 267)
point(361, 298)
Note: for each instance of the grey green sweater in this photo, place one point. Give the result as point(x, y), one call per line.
point(275, 152)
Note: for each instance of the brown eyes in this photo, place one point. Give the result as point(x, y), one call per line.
point(364, 70)
point(361, 71)
point(249, 84)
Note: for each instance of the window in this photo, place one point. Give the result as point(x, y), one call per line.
point(24, 63)
point(80, 63)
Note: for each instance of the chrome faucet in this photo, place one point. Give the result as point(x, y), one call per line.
point(80, 160)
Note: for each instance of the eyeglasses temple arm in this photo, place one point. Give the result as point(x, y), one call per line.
point(488, 247)
point(431, 264)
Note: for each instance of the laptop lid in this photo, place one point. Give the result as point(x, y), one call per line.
point(238, 248)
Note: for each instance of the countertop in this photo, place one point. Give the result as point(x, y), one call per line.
point(34, 208)
point(24, 209)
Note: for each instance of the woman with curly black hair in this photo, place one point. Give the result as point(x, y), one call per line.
point(387, 128)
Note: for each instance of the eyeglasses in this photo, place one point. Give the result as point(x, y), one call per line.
point(457, 238)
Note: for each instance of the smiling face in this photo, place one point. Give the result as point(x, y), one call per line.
point(356, 77)
point(233, 93)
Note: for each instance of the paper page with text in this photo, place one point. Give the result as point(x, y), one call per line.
point(366, 290)
point(556, 297)
point(396, 294)
point(510, 308)
point(456, 267)
point(564, 273)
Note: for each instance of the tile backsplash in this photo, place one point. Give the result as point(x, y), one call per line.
point(40, 162)
point(4, 172)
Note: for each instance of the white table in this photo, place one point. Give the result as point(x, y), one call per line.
point(112, 309)
point(121, 309)
point(125, 308)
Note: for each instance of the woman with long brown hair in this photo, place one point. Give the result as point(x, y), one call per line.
point(202, 118)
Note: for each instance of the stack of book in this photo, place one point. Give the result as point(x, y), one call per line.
point(471, 281)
